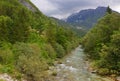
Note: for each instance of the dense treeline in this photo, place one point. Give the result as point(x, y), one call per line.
point(102, 44)
point(29, 41)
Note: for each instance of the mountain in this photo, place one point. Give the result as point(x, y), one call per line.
point(78, 30)
point(86, 18)
point(30, 42)
point(102, 44)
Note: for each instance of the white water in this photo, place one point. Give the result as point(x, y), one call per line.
point(74, 68)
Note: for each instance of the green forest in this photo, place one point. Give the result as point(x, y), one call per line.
point(102, 44)
point(30, 42)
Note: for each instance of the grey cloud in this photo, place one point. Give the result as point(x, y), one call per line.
point(65, 7)
point(70, 6)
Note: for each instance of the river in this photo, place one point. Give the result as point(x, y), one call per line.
point(74, 68)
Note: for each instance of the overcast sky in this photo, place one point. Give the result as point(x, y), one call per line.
point(63, 8)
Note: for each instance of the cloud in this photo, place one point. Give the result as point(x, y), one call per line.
point(116, 8)
point(63, 8)
point(45, 6)
point(115, 5)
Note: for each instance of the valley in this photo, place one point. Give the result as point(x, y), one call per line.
point(37, 46)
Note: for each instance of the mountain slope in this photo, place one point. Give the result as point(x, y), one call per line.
point(79, 31)
point(102, 44)
point(30, 42)
point(86, 18)
point(28, 5)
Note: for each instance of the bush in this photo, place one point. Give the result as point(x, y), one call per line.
point(59, 50)
point(5, 28)
point(50, 51)
point(33, 67)
point(7, 69)
point(54, 73)
point(6, 55)
point(29, 61)
point(103, 71)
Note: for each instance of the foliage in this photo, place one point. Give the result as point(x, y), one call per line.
point(102, 44)
point(59, 50)
point(29, 60)
point(103, 71)
point(29, 41)
point(85, 19)
point(109, 10)
point(6, 55)
point(5, 28)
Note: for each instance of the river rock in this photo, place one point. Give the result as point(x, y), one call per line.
point(6, 77)
point(118, 78)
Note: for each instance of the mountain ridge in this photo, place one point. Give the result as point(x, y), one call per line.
point(30, 42)
point(86, 18)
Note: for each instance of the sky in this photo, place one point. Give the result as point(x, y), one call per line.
point(63, 8)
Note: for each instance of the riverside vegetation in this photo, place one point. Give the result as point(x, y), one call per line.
point(102, 44)
point(30, 42)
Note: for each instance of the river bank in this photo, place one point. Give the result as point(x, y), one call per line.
point(74, 68)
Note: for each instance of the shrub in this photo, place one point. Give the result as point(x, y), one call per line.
point(7, 69)
point(6, 55)
point(48, 51)
point(103, 71)
point(5, 28)
point(59, 50)
point(33, 67)
point(29, 61)
point(54, 73)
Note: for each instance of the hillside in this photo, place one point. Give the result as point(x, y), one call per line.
point(30, 42)
point(102, 45)
point(86, 18)
point(77, 30)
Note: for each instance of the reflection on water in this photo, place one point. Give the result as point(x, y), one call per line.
point(74, 68)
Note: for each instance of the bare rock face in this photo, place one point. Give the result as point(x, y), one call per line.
point(28, 5)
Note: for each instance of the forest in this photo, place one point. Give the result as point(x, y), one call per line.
point(30, 42)
point(102, 44)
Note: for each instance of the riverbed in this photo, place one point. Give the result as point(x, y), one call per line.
point(74, 68)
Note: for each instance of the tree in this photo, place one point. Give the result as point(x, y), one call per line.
point(104, 41)
point(5, 27)
point(109, 10)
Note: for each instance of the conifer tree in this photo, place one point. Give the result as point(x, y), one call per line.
point(109, 10)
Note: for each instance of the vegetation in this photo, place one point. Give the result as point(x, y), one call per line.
point(86, 19)
point(79, 31)
point(109, 10)
point(30, 42)
point(102, 44)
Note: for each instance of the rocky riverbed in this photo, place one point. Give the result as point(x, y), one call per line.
point(75, 68)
